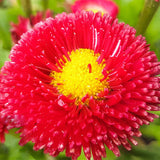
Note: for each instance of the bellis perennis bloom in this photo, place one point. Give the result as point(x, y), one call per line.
point(25, 24)
point(80, 81)
point(104, 6)
point(3, 128)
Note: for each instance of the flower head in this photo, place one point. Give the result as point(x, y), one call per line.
point(3, 126)
point(80, 81)
point(25, 24)
point(104, 6)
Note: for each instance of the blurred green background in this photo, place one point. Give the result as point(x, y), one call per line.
point(149, 144)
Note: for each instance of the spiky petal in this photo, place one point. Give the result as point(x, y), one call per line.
point(55, 122)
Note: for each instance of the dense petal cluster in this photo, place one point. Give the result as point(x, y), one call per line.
point(3, 126)
point(24, 24)
point(56, 122)
point(104, 6)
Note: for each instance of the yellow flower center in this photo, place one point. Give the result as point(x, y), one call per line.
point(96, 9)
point(80, 76)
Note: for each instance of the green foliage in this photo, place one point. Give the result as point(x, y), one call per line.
point(153, 33)
point(57, 6)
point(142, 152)
point(129, 10)
point(3, 56)
point(110, 155)
point(7, 16)
point(15, 152)
point(11, 150)
point(4, 152)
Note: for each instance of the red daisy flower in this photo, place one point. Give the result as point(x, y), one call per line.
point(80, 81)
point(24, 24)
point(3, 123)
point(3, 126)
point(104, 6)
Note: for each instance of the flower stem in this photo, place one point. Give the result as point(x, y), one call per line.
point(67, 5)
point(45, 4)
point(1, 3)
point(26, 4)
point(150, 8)
point(48, 157)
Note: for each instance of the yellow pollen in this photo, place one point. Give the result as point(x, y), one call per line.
point(80, 76)
point(96, 9)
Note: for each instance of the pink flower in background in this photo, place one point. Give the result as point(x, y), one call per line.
point(80, 81)
point(24, 24)
point(104, 6)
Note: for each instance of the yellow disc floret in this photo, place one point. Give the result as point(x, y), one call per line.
point(80, 76)
point(95, 9)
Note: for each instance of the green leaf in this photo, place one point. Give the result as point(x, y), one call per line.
point(56, 6)
point(37, 155)
point(4, 29)
point(3, 56)
point(14, 149)
point(62, 156)
point(82, 156)
point(153, 33)
point(129, 10)
point(146, 152)
point(17, 152)
point(4, 152)
point(7, 15)
point(153, 130)
point(110, 155)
